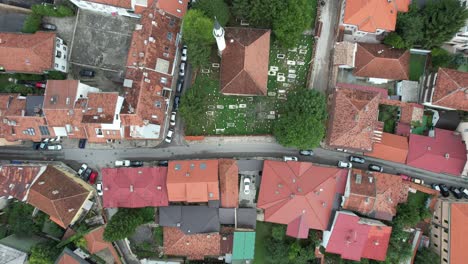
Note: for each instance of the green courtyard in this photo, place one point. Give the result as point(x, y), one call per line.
point(207, 112)
point(417, 66)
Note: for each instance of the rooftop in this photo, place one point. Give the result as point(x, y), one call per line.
point(12, 256)
point(244, 246)
point(229, 183)
point(458, 232)
point(190, 219)
point(95, 243)
point(176, 8)
point(195, 247)
point(101, 108)
point(15, 180)
point(392, 147)
point(68, 257)
point(451, 89)
point(344, 53)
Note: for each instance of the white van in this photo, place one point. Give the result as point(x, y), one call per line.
point(122, 163)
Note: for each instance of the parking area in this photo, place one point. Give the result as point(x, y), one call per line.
point(247, 199)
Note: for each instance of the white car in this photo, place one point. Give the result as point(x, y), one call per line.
point(183, 57)
point(343, 164)
point(54, 147)
point(170, 133)
point(173, 116)
point(182, 69)
point(290, 158)
point(122, 163)
point(247, 185)
point(99, 188)
point(82, 169)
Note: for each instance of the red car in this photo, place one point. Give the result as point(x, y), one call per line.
point(406, 177)
point(93, 177)
point(40, 85)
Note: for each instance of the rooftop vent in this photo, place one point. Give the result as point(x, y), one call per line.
point(187, 174)
point(71, 210)
point(192, 166)
point(358, 178)
point(177, 167)
point(371, 179)
point(55, 192)
point(280, 185)
point(299, 189)
point(99, 110)
point(303, 211)
point(367, 200)
point(158, 187)
point(210, 194)
point(429, 148)
point(131, 188)
point(178, 224)
point(447, 156)
point(41, 183)
point(324, 204)
point(202, 165)
point(67, 101)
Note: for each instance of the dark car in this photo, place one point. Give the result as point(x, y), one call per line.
point(435, 186)
point(357, 159)
point(373, 167)
point(86, 174)
point(36, 145)
point(464, 191)
point(306, 152)
point(87, 73)
point(176, 103)
point(82, 143)
point(180, 85)
point(26, 83)
point(43, 145)
point(93, 177)
point(456, 192)
point(163, 163)
point(48, 26)
point(444, 190)
point(136, 163)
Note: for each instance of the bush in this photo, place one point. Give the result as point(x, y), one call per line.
point(395, 40)
point(32, 23)
point(28, 77)
point(52, 11)
point(125, 221)
point(158, 236)
point(56, 75)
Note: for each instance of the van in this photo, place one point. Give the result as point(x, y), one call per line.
point(122, 163)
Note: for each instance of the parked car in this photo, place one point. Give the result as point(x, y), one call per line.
point(183, 56)
point(435, 186)
point(122, 163)
point(36, 145)
point(86, 174)
point(87, 73)
point(180, 84)
point(43, 145)
point(169, 135)
point(182, 69)
point(163, 163)
point(41, 85)
point(444, 190)
point(344, 164)
point(373, 167)
point(306, 152)
point(93, 177)
point(464, 191)
point(290, 158)
point(136, 163)
point(456, 192)
point(99, 188)
point(48, 26)
point(82, 143)
point(340, 149)
point(82, 169)
point(246, 185)
point(404, 177)
point(54, 147)
point(176, 103)
point(357, 159)
point(173, 116)
point(25, 83)
point(417, 180)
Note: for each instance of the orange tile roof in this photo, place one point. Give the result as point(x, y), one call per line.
point(127, 4)
point(31, 53)
point(173, 7)
point(450, 89)
point(15, 180)
point(229, 183)
point(458, 232)
point(370, 15)
point(96, 243)
point(195, 247)
point(100, 108)
point(381, 61)
point(392, 147)
point(193, 181)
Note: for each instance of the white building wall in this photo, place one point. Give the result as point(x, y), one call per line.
point(60, 56)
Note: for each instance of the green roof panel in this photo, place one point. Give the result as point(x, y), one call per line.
point(244, 246)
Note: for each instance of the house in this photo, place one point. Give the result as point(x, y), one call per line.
point(69, 257)
point(353, 237)
point(194, 247)
point(193, 181)
point(300, 195)
point(134, 187)
point(353, 122)
point(190, 219)
point(374, 194)
point(244, 61)
point(61, 195)
point(241, 218)
point(448, 231)
point(344, 54)
point(408, 91)
point(103, 249)
point(445, 90)
point(444, 152)
point(229, 183)
point(392, 147)
point(12, 256)
point(371, 18)
point(463, 130)
point(35, 53)
point(244, 247)
point(15, 180)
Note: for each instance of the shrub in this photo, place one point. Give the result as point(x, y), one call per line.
point(52, 11)
point(56, 75)
point(32, 23)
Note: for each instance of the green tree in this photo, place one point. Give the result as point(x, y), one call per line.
point(214, 8)
point(297, 17)
point(241, 9)
point(125, 221)
point(445, 59)
point(44, 253)
point(395, 40)
point(198, 36)
point(426, 256)
point(278, 232)
point(302, 119)
point(409, 26)
point(192, 107)
point(20, 219)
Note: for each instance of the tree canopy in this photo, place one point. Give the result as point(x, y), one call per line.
point(198, 36)
point(426, 256)
point(44, 253)
point(21, 221)
point(125, 221)
point(192, 107)
point(214, 8)
point(302, 119)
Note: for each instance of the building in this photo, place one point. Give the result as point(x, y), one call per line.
point(444, 152)
point(354, 238)
point(134, 187)
point(392, 147)
point(374, 194)
point(103, 249)
point(244, 247)
point(241, 218)
point(449, 232)
point(15, 180)
point(463, 130)
point(35, 53)
point(193, 181)
point(371, 18)
point(300, 195)
point(194, 247)
point(68, 257)
point(445, 90)
point(190, 219)
point(229, 183)
point(12, 256)
point(244, 62)
point(459, 42)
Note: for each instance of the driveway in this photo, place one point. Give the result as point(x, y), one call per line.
point(248, 199)
point(320, 77)
point(11, 20)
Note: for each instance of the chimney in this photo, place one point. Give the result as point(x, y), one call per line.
point(376, 242)
point(41, 183)
point(447, 156)
point(131, 187)
point(55, 192)
point(158, 187)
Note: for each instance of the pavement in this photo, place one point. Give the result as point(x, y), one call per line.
point(319, 79)
point(11, 20)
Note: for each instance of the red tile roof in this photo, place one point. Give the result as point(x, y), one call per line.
point(380, 61)
point(458, 232)
point(15, 180)
point(59, 195)
point(383, 92)
point(176, 8)
point(354, 119)
point(444, 153)
point(392, 147)
point(354, 238)
point(450, 89)
point(403, 129)
point(229, 183)
point(31, 53)
point(100, 108)
point(195, 247)
point(134, 187)
point(193, 181)
point(370, 15)
point(244, 64)
point(299, 194)
point(96, 243)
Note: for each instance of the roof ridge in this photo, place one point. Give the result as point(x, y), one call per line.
point(39, 43)
point(452, 80)
point(401, 66)
point(365, 49)
point(235, 77)
point(53, 205)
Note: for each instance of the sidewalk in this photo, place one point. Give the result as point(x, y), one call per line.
point(234, 139)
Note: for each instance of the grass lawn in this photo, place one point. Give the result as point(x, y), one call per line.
point(426, 124)
point(263, 231)
point(417, 199)
point(417, 66)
